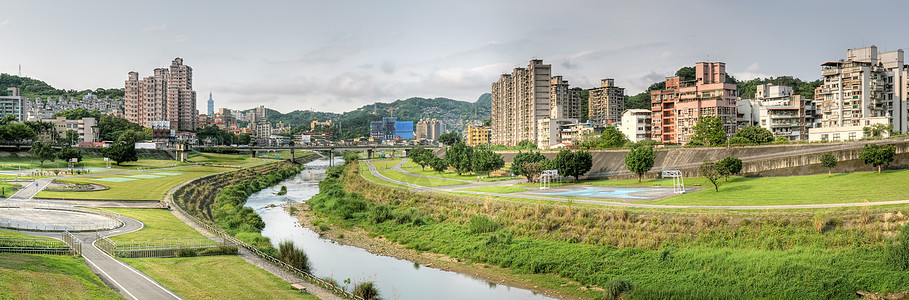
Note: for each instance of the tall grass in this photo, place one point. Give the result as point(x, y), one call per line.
point(700, 255)
point(294, 256)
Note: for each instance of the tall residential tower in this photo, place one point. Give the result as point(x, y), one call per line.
point(165, 96)
point(211, 105)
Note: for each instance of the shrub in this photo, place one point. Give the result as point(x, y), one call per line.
point(739, 141)
point(482, 224)
point(283, 191)
point(219, 250)
point(898, 252)
point(366, 290)
point(616, 288)
point(185, 253)
point(296, 257)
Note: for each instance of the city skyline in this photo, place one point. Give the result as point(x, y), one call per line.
point(337, 57)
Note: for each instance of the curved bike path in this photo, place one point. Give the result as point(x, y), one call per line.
point(375, 172)
point(122, 278)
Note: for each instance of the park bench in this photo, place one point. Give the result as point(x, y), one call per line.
point(299, 287)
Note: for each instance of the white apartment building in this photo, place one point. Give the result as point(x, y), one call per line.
point(778, 110)
point(859, 91)
point(87, 128)
point(635, 124)
point(549, 131)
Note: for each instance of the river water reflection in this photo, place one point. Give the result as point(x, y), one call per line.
point(395, 278)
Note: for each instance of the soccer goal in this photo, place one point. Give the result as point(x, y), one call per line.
point(678, 182)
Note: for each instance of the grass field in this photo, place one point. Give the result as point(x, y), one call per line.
point(421, 181)
point(33, 276)
point(14, 234)
point(452, 175)
point(137, 189)
point(225, 159)
point(364, 170)
point(496, 189)
point(215, 277)
point(159, 223)
point(385, 164)
point(142, 163)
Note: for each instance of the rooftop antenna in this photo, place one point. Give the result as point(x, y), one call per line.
point(20, 70)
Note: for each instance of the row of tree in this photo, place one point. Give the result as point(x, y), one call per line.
point(460, 157)
point(568, 163)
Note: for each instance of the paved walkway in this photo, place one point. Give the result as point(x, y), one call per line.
point(374, 171)
point(122, 278)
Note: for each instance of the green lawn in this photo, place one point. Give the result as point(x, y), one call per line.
point(215, 277)
point(496, 189)
point(142, 163)
point(34, 276)
point(224, 159)
point(452, 175)
point(138, 189)
point(421, 181)
point(16, 234)
point(364, 171)
point(159, 223)
point(385, 164)
point(410, 164)
point(809, 189)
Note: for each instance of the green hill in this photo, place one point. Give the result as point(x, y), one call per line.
point(31, 88)
point(454, 114)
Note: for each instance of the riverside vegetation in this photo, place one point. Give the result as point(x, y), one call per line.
point(653, 254)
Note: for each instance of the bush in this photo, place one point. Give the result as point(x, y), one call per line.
point(351, 157)
point(482, 224)
point(219, 250)
point(185, 253)
point(616, 288)
point(366, 290)
point(296, 257)
point(898, 251)
point(739, 141)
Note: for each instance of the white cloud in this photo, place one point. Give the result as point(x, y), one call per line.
point(159, 27)
point(753, 67)
point(740, 76)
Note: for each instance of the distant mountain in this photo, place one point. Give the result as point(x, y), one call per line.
point(455, 115)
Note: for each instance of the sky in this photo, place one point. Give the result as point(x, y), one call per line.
point(339, 55)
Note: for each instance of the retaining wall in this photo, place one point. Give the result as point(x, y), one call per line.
point(769, 160)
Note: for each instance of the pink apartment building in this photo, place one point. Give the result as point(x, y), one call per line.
point(676, 109)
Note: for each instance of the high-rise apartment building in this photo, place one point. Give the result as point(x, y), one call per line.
point(866, 88)
point(564, 103)
point(677, 108)
point(165, 96)
point(12, 104)
point(523, 98)
point(606, 103)
point(429, 129)
point(778, 110)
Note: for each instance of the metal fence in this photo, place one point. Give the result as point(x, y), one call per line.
point(69, 245)
point(174, 247)
point(303, 274)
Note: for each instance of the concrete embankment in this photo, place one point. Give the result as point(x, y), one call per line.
point(769, 160)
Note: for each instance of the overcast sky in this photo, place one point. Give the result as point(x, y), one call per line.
point(339, 55)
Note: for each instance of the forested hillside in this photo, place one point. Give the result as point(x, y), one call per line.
point(31, 88)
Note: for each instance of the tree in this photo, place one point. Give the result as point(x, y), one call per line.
point(877, 156)
point(755, 135)
point(708, 170)
point(111, 127)
point(640, 160)
point(487, 122)
point(72, 136)
point(532, 170)
point(131, 136)
point(709, 131)
point(686, 74)
point(458, 156)
point(729, 166)
point(612, 138)
point(877, 130)
point(121, 153)
point(485, 161)
point(244, 139)
point(350, 156)
point(572, 163)
point(450, 138)
point(42, 152)
point(438, 164)
point(517, 164)
point(420, 156)
point(525, 144)
point(828, 161)
point(739, 141)
point(67, 153)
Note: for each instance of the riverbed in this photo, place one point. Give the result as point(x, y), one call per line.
point(395, 278)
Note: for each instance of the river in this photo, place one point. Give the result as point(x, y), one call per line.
point(395, 278)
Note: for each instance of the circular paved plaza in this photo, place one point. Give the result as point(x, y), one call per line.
point(54, 220)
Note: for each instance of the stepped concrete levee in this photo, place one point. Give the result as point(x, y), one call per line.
point(768, 160)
